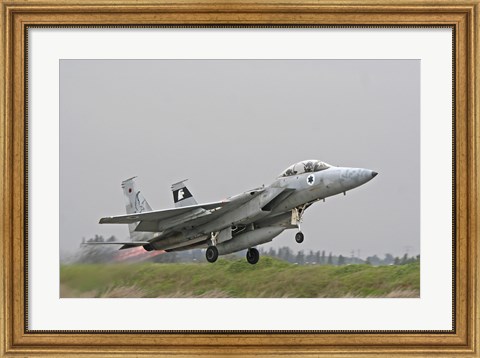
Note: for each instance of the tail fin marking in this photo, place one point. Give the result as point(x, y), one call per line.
point(135, 202)
point(181, 195)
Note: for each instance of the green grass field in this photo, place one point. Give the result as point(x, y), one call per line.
point(268, 279)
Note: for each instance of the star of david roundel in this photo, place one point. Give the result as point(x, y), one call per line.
point(311, 179)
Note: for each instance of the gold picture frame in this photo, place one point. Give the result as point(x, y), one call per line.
point(17, 16)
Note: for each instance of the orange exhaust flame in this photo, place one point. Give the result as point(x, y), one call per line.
point(136, 254)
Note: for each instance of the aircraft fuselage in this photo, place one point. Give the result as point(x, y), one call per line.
point(242, 221)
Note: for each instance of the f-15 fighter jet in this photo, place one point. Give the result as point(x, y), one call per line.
point(240, 222)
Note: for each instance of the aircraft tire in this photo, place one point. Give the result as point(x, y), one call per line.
point(253, 256)
point(299, 237)
point(212, 254)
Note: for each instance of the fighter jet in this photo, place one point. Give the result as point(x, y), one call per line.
point(240, 222)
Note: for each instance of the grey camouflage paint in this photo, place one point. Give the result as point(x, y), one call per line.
point(252, 218)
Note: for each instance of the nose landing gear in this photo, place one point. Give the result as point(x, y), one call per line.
point(297, 215)
point(299, 237)
point(253, 256)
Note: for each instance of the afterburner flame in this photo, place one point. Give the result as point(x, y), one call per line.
point(136, 254)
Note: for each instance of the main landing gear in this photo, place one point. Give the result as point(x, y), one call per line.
point(212, 254)
point(253, 256)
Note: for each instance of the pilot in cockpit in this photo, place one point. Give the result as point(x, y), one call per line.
point(308, 167)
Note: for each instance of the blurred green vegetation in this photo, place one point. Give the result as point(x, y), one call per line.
point(269, 278)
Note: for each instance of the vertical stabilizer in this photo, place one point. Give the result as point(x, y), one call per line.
point(135, 202)
point(181, 195)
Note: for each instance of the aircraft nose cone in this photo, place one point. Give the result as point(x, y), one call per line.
point(374, 174)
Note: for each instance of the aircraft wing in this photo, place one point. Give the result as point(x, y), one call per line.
point(240, 199)
point(158, 215)
point(231, 203)
point(198, 216)
point(172, 219)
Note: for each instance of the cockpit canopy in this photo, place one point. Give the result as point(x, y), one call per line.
point(305, 166)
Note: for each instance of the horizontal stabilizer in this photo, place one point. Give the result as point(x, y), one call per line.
point(128, 246)
point(158, 215)
point(133, 243)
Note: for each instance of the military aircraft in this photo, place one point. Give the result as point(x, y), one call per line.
point(240, 222)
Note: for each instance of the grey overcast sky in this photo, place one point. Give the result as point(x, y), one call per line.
point(232, 125)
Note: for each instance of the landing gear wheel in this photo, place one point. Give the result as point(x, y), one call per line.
point(253, 256)
point(212, 254)
point(299, 237)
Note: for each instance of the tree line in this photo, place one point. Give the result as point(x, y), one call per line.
point(106, 253)
point(320, 257)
